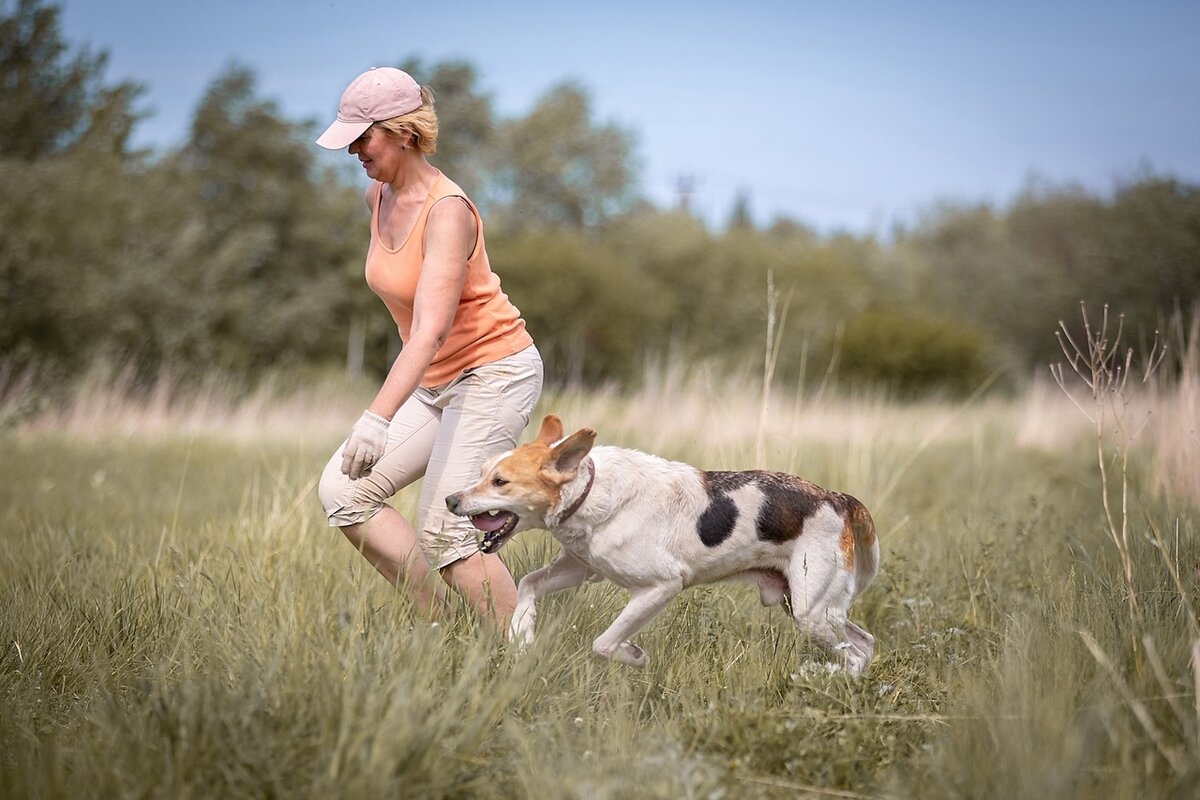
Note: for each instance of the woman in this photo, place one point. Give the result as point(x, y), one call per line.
point(467, 378)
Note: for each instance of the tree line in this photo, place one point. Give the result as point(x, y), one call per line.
point(242, 248)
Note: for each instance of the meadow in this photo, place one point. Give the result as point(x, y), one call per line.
point(176, 620)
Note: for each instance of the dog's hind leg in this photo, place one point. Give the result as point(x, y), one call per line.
point(644, 605)
point(861, 639)
point(565, 572)
point(822, 587)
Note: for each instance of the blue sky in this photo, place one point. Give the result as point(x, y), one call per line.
point(851, 115)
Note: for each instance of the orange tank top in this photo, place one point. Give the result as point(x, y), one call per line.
point(486, 325)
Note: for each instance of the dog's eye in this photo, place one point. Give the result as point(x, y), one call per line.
point(499, 482)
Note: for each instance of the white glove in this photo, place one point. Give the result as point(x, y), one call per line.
point(365, 445)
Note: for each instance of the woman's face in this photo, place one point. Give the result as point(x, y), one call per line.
point(379, 154)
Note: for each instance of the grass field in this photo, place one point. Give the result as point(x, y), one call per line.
point(177, 621)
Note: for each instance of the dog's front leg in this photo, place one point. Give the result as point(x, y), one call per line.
point(644, 605)
point(565, 572)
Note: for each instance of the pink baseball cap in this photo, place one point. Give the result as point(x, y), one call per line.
point(379, 93)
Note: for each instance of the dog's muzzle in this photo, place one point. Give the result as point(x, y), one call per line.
point(497, 526)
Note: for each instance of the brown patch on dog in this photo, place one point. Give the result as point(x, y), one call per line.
point(860, 519)
point(858, 534)
point(846, 543)
point(523, 471)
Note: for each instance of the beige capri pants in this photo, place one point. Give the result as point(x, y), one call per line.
point(444, 434)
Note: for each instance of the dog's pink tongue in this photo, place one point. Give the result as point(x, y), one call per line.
point(487, 522)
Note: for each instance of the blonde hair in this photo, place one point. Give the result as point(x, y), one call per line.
point(421, 125)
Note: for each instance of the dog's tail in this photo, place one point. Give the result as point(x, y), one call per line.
point(866, 544)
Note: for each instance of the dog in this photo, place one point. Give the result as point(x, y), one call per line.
point(655, 527)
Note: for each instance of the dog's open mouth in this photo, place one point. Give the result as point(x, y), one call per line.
point(497, 527)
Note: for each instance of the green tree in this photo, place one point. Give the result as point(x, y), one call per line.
point(266, 271)
point(53, 100)
point(1015, 273)
point(69, 190)
point(592, 315)
point(912, 352)
point(232, 252)
point(1148, 246)
point(557, 166)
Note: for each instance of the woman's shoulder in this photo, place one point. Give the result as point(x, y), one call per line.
point(444, 187)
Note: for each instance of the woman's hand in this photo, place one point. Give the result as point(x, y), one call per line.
point(365, 445)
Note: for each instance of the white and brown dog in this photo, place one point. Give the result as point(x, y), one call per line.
point(656, 527)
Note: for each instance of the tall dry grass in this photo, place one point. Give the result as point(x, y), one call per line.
point(1177, 425)
point(176, 620)
point(112, 400)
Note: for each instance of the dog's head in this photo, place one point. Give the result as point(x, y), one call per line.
point(519, 488)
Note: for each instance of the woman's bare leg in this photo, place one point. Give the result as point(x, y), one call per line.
point(486, 585)
point(390, 544)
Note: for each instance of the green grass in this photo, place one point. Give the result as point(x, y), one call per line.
point(176, 620)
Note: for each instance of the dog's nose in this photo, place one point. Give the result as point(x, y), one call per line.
point(452, 502)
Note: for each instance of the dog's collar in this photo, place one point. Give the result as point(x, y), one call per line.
point(566, 515)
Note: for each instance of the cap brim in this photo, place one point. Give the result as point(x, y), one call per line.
point(341, 134)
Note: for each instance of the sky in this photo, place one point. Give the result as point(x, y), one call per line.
point(853, 116)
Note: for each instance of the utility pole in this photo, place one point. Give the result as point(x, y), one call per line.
point(685, 187)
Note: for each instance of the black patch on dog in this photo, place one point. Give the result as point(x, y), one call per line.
point(717, 521)
point(787, 502)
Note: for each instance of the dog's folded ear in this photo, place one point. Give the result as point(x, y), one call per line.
point(565, 458)
point(551, 430)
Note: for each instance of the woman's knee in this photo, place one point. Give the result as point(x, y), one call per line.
point(344, 501)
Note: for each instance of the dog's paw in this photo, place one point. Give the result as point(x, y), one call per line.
point(625, 652)
point(521, 637)
point(808, 670)
point(629, 653)
point(520, 629)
